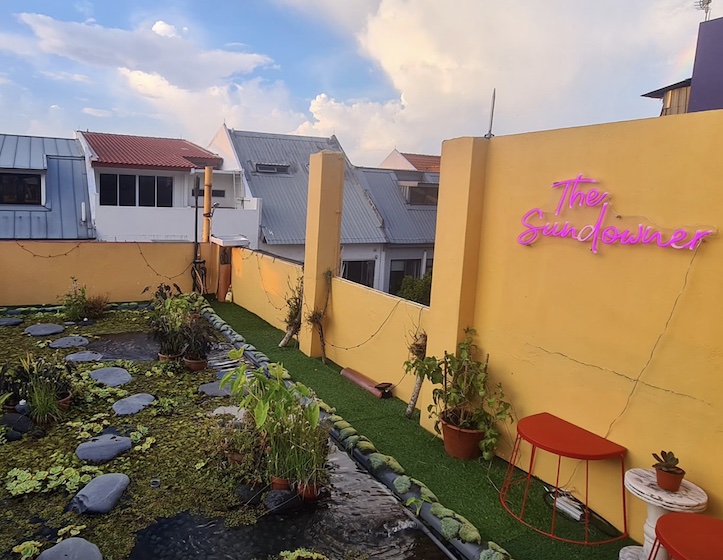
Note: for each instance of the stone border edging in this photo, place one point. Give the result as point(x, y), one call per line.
point(388, 470)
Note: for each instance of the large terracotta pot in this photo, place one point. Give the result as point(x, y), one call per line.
point(280, 483)
point(195, 365)
point(167, 358)
point(308, 492)
point(669, 481)
point(461, 443)
point(65, 402)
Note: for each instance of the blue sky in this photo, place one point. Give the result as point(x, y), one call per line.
point(379, 74)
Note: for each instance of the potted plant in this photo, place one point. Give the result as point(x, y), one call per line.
point(244, 447)
point(312, 448)
point(199, 335)
point(13, 385)
point(166, 321)
point(668, 474)
point(48, 388)
point(466, 407)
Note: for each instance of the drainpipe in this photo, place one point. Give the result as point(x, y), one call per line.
point(207, 205)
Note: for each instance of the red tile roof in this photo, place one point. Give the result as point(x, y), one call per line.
point(120, 150)
point(423, 162)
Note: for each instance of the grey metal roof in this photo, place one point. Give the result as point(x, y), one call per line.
point(62, 163)
point(404, 223)
point(284, 195)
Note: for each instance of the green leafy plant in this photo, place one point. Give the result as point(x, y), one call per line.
point(163, 406)
point(244, 446)
point(28, 549)
point(69, 531)
point(21, 481)
point(466, 399)
point(77, 305)
point(294, 300)
point(92, 427)
point(416, 289)
point(667, 462)
point(166, 319)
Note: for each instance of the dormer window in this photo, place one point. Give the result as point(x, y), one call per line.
point(425, 195)
point(273, 168)
point(20, 188)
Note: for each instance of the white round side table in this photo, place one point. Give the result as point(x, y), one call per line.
point(641, 484)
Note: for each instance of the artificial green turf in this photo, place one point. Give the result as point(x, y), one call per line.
point(468, 487)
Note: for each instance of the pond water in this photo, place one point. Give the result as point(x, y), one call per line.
point(359, 515)
point(125, 346)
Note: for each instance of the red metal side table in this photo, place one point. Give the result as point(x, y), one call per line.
point(689, 536)
point(561, 438)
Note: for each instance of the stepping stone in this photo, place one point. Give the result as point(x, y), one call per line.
point(213, 390)
point(101, 494)
point(84, 356)
point(111, 376)
point(235, 411)
point(69, 342)
point(10, 322)
point(132, 404)
point(17, 422)
point(281, 502)
point(12, 435)
point(73, 548)
point(44, 329)
point(103, 448)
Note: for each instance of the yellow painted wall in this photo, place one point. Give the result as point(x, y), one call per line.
point(261, 282)
point(369, 331)
point(37, 272)
point(627, 342)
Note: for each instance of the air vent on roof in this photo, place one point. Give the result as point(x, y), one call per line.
point(272, 168)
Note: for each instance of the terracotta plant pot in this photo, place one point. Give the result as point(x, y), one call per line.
point(167, 358)
point(669, 481)
point(65, 402)
point(308, 492)
point(461, 443)
point(280, 483)
point(195, 365)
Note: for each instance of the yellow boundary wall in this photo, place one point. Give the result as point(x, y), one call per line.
point(38, 272)
point(260, 283)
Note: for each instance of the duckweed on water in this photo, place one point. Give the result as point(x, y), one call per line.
point(170, 440)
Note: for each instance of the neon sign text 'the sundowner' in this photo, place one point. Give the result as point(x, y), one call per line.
point(573, 196)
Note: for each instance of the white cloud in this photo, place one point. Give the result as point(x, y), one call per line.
point(55, 106)
point(101, 113)
point(164, 29)
point(250, 105)
point(178, 60)
point(66, 76)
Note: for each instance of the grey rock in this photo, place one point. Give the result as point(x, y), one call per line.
point(69, 342)
point(84, 356)
point(103, 448)
point(213, 390)
point(44, 329)
point(132, 404)
point(235, 411)
point(250, 494)
point(17, 422)
point(12, 435)
point(111, 376)
point(101, 494)
point(282, 501)
point(10, 321)
point(73, 548)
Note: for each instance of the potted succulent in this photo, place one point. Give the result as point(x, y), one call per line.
point(668, 474)
point(199, 336)
point(466, 407)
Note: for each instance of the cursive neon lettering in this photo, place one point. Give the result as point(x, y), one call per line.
point(573, 196)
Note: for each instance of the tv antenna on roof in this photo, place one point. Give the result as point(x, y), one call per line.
point(492, 113)
point(705, 6)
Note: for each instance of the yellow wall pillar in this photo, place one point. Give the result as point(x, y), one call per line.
point(323, 235)
point(456, 249)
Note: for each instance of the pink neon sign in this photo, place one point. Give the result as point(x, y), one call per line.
point(573, 196)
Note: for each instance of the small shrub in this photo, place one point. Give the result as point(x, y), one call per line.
point(416, 289)
point(77, 305)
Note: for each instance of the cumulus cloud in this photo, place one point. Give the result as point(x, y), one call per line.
point(178, 60)
point(66, 76)
point(164, 29)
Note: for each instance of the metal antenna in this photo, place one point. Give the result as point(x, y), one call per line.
point(705, 6)
point(492, 110)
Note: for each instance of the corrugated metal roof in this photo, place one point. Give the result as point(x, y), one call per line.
point(66, 187)
point(121, 150)
point(424, 162)
point(284, 195)
point(404, 223)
